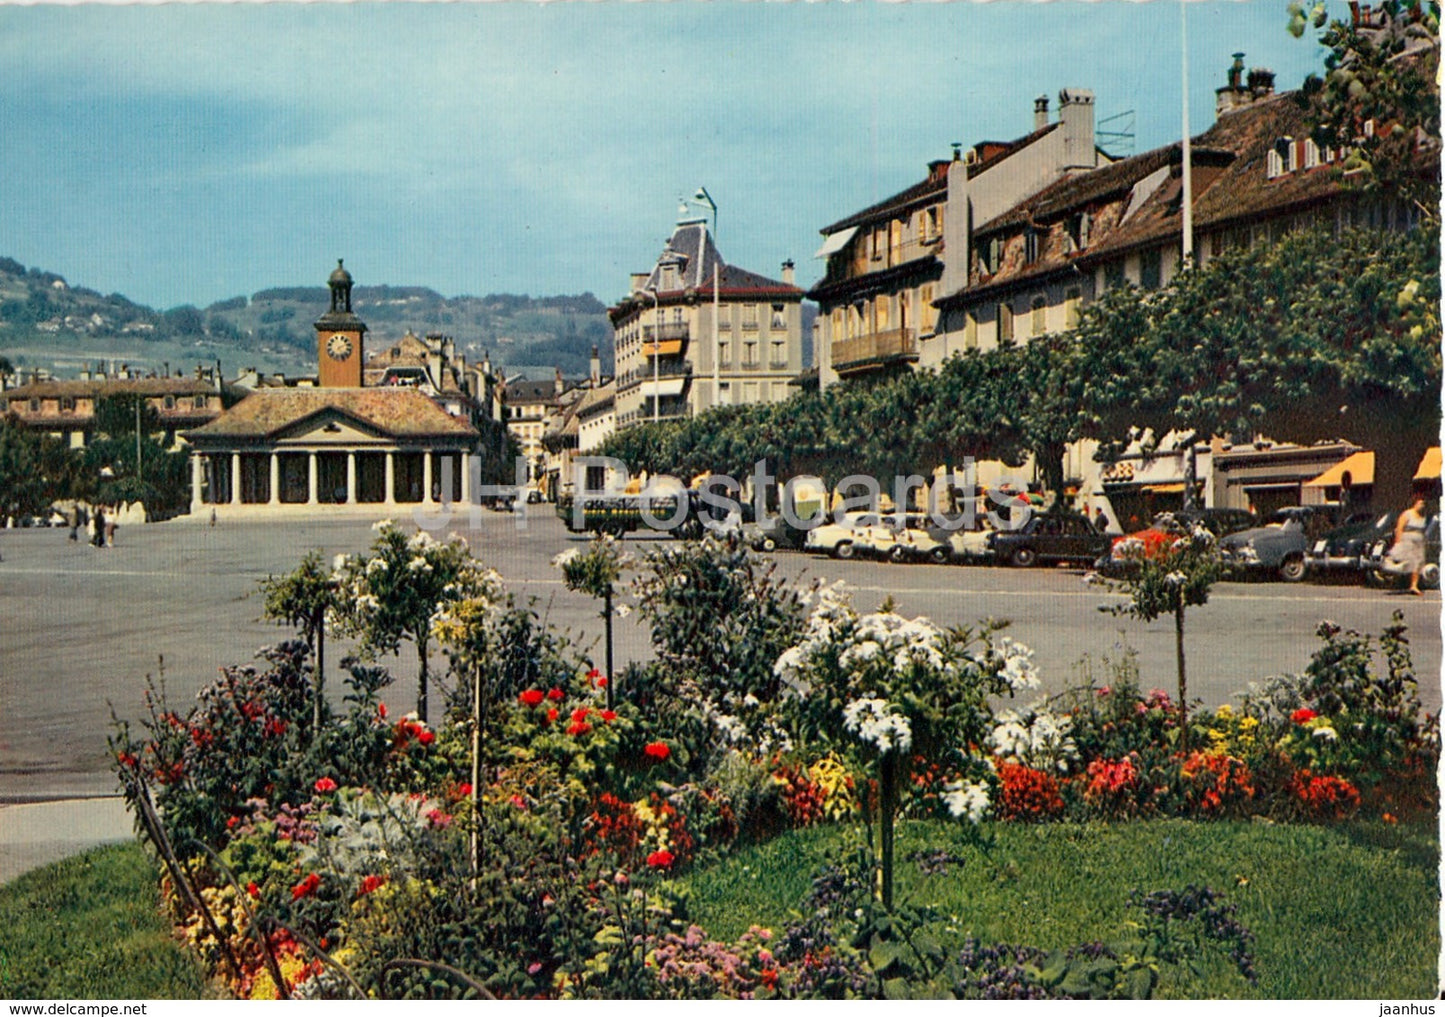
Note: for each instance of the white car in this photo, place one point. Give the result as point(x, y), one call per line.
point(857, 531)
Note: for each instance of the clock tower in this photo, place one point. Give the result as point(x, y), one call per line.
point(338, 337)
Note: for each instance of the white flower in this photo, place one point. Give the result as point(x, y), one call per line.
point(561, 560)
point(874, 720)
point(1018, 665)
point(622, 610)
point(339, 562)
point(967, 799)
point(1325, 733)
point(1175, 579)
point(383, 525)
point(1035, 738)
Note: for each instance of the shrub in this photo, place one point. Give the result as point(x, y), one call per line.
point(1026, 794)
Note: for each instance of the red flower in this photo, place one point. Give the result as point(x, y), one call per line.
point(325, 784)
point(657, 750)
point(532, 697)
point(370, 884)
point(552, 714)
point(609, 715)
point(464, 790)
point(438, 819)
point(231, 822)
point(554, 695)
point(127, 759)
point(580, 713)
point(306, 887)
point(594, 673)
point(254, 891)
point(275, 727)
point(426, 737)
point(1303, 715)
point(518, 801)
point(660, 859)
point(578, 727)
point(381, 710)
point(602, 683)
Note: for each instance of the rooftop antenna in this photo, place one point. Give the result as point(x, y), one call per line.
point(1118, 140)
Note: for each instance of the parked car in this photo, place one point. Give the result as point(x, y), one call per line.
point(1050, 537)
point(772, 533)
point(1345, 550)
point(1380, 571)
point(1166, 528)
point(964, 545)
point(914, 541)
point(843, 538)
point(1278, 547)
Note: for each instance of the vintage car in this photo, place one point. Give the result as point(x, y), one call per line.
point(1056, 536)
point(1278, 547)
point(1345, 551)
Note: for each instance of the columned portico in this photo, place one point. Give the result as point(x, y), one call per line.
point(275, 492)
point(197, 474)
point(311, 478)
point(426, 479)
point(351, 478)
point(236, 478)
point(391, 478)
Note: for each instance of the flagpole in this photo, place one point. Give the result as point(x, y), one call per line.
point(1188, 177)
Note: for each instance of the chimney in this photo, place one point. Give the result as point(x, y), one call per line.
point(1232, 95)
point(487, 363)
point(1041, 112)
point(1076, 114)
point(557, 381)
point(788, 273)
point(434, 368)
point(639, 280)
point(595, 368)
point(1261, 82)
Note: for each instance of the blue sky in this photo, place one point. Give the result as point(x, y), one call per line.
point(185, 154)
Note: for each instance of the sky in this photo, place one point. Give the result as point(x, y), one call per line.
point(191, 153)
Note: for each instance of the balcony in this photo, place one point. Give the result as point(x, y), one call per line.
point(667, 330)
point(852, 356)
point(864, 260)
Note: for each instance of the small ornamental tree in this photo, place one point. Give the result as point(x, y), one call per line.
point(596, 573)
point(394, 593)
point(1169, 579)
point(902, 688)
point(303, 598)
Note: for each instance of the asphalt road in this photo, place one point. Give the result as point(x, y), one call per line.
point(80, 628)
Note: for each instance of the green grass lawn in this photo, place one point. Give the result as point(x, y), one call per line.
point(91, 927)
point(1347, 911)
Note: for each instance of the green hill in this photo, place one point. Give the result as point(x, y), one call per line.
point(46, 322)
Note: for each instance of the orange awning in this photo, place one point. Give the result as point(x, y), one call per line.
point(1360, 467)
point(1176, 488)
point(1429, 465)
point(665, 348)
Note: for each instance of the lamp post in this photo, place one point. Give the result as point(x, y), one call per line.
point(703, 198)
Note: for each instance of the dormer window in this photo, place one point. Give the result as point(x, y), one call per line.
point(1031, 246)
point(170, 402)
point(1079, 230)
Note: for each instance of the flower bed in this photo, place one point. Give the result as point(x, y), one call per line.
point(528, 843)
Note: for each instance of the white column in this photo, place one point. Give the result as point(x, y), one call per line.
point(426, 479)
point(275, 498)
point(466, 459)
point(351, 478)
point(311, 478)
point(391, 478)
point(197, 472)
point(235, 478)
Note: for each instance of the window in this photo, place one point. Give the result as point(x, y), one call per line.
point(35, 406)
point(750, 354)
point(1005, 323)
point(724, 353)
point(1149, 269)
point(880, 307)
point(750, 391)
point(1072, 300)
point(750, 316)
point(68, 404)
point(1079, 230)
point(780, 321)
point(1312, 154)
point(932, 224)
point(1038, 312)
point(778, 359)
point(170, 402)
point(927, 313)
point(895, 241)
point(1113, 275)
point(837, 323)
point(1031, 246)
point(880, 240)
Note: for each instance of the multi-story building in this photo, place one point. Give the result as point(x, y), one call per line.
point(889, 264)
point(67, 409)
point(696, 332)
point(530, 407)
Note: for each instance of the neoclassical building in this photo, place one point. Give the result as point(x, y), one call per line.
point(337, 444)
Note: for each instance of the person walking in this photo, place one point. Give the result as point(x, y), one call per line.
point(1408, 551)
point(110, 526)
point(96, 528)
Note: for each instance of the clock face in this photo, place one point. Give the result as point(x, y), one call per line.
point(339, 347)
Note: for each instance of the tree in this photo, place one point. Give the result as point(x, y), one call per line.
point(393, 594)
point(303, 598)
point(596, 573)
point(1380, 72)
point(1168, 580)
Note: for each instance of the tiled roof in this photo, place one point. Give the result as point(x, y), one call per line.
point(111, 386)
point(1230, 185)
point(937, 185)
point(526, 390)
point(396, 412)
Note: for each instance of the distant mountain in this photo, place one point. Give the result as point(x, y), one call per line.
point(44, 321)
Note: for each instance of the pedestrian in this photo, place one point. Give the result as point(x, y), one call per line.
point(110, 526)
point(1101, 521)
point(213, 515)
point(96, 528)
point(1407, 553)
point(74, 520)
